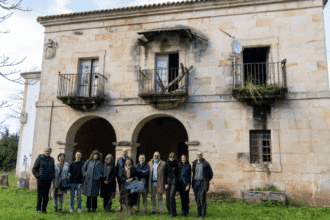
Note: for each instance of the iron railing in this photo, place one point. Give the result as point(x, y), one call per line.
point(81, 85)
point(162, 81)
point(260, 74)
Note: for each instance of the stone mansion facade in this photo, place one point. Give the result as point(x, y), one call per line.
point(164, 78)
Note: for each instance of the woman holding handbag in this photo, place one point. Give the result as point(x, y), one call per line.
point(92, 172)
point(61, 175)
point(128, 174)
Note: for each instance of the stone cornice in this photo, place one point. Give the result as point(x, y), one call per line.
point(31, 75)
point(151, 10)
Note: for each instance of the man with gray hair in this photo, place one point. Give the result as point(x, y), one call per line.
point(143, 171)
point(156, 182)
point(44, 171)
point(120, 165)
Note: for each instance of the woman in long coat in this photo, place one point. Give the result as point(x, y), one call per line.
point(108, 183)
point(61, 172)
point(128, 174)
point(92, 172)
point(184, 183)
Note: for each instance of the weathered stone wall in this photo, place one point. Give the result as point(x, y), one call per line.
point(299, 125)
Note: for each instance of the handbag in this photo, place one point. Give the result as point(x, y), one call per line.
point(65, 184)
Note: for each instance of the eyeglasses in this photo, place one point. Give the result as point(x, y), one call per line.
point(172, 156)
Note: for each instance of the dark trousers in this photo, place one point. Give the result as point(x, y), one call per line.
point(170, 199)
point(120, 187)
point(200, 196)
point(184, 195)
point(43, 187)
point(107, 203)
point(90, 203)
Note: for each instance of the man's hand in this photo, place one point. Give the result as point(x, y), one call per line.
point(106, 182)
point(188, 187)
point(129, 180)
point(166, 186)
point(68, 177)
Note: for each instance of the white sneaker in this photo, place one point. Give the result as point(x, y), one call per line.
point(71, 210)
point(79, 210)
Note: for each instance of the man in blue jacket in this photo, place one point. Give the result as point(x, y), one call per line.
point(202, 175)
point(143, 172)
point(120, 166)
point(44, 171)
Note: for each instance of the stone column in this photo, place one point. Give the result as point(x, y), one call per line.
point(66, 148)
point(192, 149)
point(130, 146)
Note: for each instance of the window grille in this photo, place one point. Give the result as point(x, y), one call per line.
point(260, 148)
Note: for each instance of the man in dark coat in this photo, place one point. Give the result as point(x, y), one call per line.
point(171, 175)
point(143, 172)
point(120, 165)
point(108, 183)
point(44, 171)
point(202, 175)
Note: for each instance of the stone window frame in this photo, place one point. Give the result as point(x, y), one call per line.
point(260, 138)
point(100, 55)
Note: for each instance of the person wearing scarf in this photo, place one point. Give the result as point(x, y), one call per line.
point(143, 172)
point(108, 183)
point(171, 180)
point(128, 174)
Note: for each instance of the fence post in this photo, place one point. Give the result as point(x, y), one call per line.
point(284, 72)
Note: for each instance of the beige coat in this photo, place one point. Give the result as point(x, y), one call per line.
point(160, 176)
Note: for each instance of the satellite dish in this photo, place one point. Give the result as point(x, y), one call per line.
point(236, 46)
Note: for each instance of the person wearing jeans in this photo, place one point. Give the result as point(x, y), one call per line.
point(202, 175)
point(184, 183)
point(44, 171)
point(76, 178)
point(143, 172)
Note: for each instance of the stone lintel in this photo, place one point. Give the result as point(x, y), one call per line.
point(66, 145)
point(31, 75)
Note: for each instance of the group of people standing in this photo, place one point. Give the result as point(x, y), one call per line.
point(92, 178)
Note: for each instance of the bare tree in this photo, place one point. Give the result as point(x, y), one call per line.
point(5, 61)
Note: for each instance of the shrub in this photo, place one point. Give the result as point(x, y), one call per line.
point(8, 150)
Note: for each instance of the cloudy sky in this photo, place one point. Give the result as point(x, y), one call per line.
point(26, 36)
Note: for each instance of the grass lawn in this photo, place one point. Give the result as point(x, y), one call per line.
point(21, 204)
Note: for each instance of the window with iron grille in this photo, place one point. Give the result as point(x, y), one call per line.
point(260, 148)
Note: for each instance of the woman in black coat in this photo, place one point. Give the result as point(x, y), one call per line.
point(128, 174)
point(184, 183)
point(108, 183)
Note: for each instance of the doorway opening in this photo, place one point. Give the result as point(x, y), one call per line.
point(95, 134)
point(163, 134)
point(167, 67)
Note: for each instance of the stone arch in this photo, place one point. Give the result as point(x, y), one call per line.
point(75, 129)
point(160, 132)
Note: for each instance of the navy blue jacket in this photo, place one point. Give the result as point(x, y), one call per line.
point(44, 168)
point(207, 173)
point(140, 168)
point(76, 176)
point(185, 174)
point(121, 165)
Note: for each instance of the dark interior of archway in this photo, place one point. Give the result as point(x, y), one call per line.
point(163, 134)
point(95, 134)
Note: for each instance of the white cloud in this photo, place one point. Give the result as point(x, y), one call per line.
point(26, 39)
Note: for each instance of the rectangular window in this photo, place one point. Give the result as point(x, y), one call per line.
point(88, 77)
point(167, 69)
point(260, 149)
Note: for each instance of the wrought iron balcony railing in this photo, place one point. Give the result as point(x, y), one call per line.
point(81, 91)
point(260, 74)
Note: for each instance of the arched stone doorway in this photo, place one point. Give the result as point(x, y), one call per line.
point(163, 134)
point(92, 133)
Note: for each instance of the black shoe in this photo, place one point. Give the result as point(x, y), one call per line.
point(89, 210)
point(174, 215)
point(45, 212)
point(203, 216)
point(153, 213)
point(59, 210)
point(55, 209)
point(94, 210)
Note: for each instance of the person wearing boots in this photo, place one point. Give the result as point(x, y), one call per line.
point(44, 171)
point(92, 172)
point(171, 175)
point(108, 183)
point(61, 172)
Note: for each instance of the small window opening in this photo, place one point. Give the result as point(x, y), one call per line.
point(255, 65)
point(260, 148)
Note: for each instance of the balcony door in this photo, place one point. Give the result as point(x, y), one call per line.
point(167, 69)
point(88, 78)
